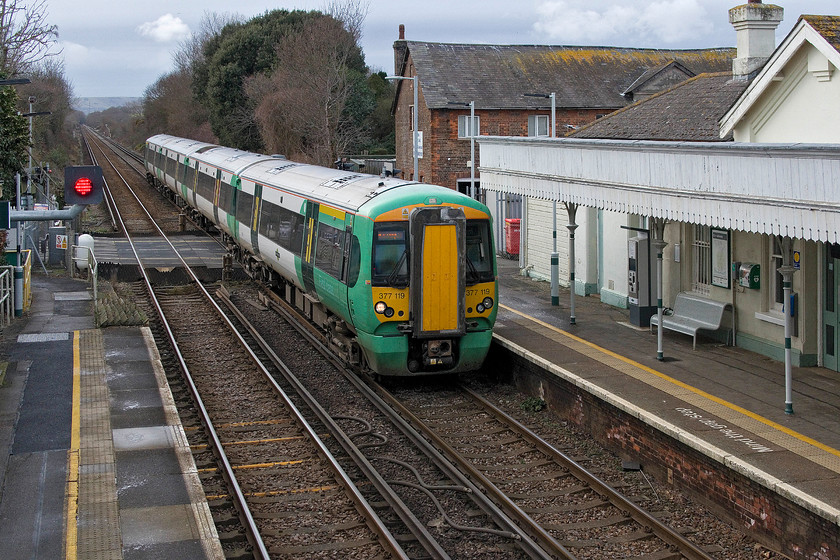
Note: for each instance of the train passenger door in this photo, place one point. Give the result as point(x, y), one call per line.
point(216, 196)
point(438, 271)
point(310, 238)
point(235, 186)
point(184, 185)
point(255, 232)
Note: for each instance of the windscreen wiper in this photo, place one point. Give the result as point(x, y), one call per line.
point(392, 278)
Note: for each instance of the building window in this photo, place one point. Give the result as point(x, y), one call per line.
point(538, 125)
point(411, 117)
point(464, 126)
point(701, 274)
point(777, 287)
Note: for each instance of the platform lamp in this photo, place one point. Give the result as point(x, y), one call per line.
point(555, 256)
point(414, 137)
point(472, 131)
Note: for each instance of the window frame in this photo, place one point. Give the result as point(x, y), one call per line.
point(534, 128)
point(463, 122)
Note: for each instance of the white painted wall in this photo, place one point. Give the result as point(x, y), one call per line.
point(802, 106)
point(541, 240)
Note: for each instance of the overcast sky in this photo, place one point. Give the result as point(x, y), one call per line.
point(117, 49)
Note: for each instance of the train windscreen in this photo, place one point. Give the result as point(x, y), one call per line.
point(390, 254)
point(479, 252)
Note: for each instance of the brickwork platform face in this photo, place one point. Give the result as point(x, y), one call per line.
point(703, 420)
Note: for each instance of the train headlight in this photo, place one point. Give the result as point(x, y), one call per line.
point(389, 312)
point(487, 302)
point(479, 308)
point(380, 307)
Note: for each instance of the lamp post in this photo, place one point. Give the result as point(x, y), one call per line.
point(553, 98)
point(471, 129)
point(414, 137)
point(555, 256)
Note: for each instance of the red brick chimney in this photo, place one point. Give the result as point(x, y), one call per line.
point(399, 51)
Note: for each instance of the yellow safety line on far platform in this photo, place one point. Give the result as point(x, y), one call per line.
point(71, 533)
point(681, 384)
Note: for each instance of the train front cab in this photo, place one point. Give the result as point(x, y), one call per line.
point(433, 281)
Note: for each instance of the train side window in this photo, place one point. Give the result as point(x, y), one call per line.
point(270, 221)
point(329, 252)
point(244, 207)
point(206, 186)
point(225, 197)
point(354, 264)
point(189, 177)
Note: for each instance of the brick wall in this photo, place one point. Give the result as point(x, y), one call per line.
point(444, 155)
point(766, 516)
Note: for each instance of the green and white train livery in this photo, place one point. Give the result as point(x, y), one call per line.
point(401, 275)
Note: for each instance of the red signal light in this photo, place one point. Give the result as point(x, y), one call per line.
point(83, 186)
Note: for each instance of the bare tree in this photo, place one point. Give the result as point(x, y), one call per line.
point(352, 13)
point(302, 108)
point(25, 35)
point(191, 50)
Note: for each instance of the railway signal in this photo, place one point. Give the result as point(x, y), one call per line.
point(83, 184)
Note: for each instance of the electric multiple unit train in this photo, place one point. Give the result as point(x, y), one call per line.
point(401, 275)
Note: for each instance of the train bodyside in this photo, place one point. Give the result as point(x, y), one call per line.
point(402, 275)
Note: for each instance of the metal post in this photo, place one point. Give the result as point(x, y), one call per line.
point(659, 244)
point(414, 137)
point(472, 149)
point(787, 270)
point(572, 210)
point(29, 169)
point(415, 125)
point(555, 258)
point(553, 115)
point(18, 267)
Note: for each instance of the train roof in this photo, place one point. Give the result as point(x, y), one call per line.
point(353, 192)
point(343, 189)
point(233, 160)
point(184, 146)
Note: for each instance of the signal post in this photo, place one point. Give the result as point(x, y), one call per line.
point(83, 185)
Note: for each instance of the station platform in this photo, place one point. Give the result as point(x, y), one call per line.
point(93, 460)
point(724, 402)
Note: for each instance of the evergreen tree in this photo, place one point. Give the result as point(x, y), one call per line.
point(14, 141)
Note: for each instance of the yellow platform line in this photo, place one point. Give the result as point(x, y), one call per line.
point(678, 383)
point(72, 529)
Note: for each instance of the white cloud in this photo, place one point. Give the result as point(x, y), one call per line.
point(164, 29)
point(675, 20)
point(602, 22)
point(577, 21)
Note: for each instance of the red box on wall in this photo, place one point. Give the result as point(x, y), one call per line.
point(512, 235)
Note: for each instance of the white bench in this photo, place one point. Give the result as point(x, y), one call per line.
point(693, 313)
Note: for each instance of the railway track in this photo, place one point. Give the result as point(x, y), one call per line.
point(511, 496)
point(569, 511)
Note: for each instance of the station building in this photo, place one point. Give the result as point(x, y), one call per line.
point(735, 175)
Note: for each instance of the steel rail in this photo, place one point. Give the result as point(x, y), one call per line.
point(670, 537)
point(254, 537)
point(386, 539)
point(417, 528)
point(534, 540)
